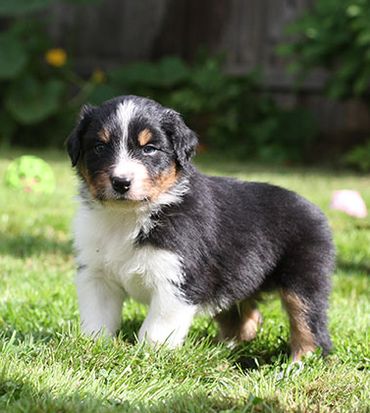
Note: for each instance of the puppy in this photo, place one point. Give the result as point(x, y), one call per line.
point(150, 226)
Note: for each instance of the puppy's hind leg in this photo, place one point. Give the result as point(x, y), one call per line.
point(302, 340)
point(304, 280)
point(308, 322)
point(240, 322)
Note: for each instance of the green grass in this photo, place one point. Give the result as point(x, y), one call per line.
point(47, 366)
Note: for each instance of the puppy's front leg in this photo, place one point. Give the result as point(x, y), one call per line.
point(100, 301)
point(168, 321)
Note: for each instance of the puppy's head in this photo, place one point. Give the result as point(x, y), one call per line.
point(130, 148)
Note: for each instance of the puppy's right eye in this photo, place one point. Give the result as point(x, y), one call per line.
point(99, 148)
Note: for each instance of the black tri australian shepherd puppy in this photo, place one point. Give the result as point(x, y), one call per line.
point(151, 226)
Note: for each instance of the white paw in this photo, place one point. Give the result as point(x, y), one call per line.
point(161, 336)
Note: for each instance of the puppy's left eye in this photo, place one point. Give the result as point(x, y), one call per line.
point(149, 149)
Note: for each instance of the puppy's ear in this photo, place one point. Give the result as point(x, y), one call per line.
point(74, 139)
point(183, 138)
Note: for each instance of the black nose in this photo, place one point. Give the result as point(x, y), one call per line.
point(120, 185)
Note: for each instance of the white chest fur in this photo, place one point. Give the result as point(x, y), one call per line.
point(105, 244)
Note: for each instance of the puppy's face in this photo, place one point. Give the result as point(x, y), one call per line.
point(130, 148)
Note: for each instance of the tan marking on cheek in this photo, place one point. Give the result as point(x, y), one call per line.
point(104, 135)
point(101, 183)
point(144, 137)
point(96, 186)
point(85, 174)
point(301, 337)
point(162, 183)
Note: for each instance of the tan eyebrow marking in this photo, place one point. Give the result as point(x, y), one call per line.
point(104, 135)
point(144, 137)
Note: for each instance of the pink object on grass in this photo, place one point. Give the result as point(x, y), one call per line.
point(350, 202)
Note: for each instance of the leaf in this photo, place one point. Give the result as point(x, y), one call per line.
point(172, 70)
point(100, 93)
point(361, 84)
point(359, 157)
point(31, 101)
point(166, 73)
point(135, 73)
point(18, 7)
point(364, 38)
point(209, 77)
point(285, 50)
point(13, 56)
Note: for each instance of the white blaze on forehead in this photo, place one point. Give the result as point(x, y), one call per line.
point(124, 114)
point(126, 166)
point(124, 163)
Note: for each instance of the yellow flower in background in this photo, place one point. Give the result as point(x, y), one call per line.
point(98, 76)
point(56, 57)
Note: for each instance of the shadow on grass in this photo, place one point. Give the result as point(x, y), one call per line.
point(56, 155)
point(213, 162)
point(41, 335)
point(21, 395)
point(130, 329)
point(246, 356)
point(29, 245)
point(354, 267)
point(251, 356)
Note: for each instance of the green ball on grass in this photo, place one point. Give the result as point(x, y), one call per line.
point(29, 173)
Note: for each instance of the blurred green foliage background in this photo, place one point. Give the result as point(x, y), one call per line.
point(41, 89)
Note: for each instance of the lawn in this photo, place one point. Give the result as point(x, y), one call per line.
point(47, 366)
